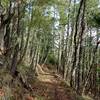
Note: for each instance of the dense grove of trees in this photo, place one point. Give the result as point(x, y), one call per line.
point(64, 33)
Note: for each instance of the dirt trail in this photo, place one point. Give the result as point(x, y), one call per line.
point(50, 87)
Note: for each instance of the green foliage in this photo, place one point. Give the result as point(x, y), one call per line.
point(63, 15)
point(94, 20)
point(80, 98)
point(97, 19)
point(40, 98)
point(50, 2)
point(98, 80)
point(98, 69)
point(5, 3)
point(52, 59)
point(93, 13)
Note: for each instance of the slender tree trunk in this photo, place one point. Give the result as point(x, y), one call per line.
point(75, 42)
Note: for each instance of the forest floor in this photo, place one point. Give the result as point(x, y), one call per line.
point(50, 86)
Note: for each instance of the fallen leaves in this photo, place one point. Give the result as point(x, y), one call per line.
point(1, 93)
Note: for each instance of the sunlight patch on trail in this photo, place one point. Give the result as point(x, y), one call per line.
point(44, 76)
